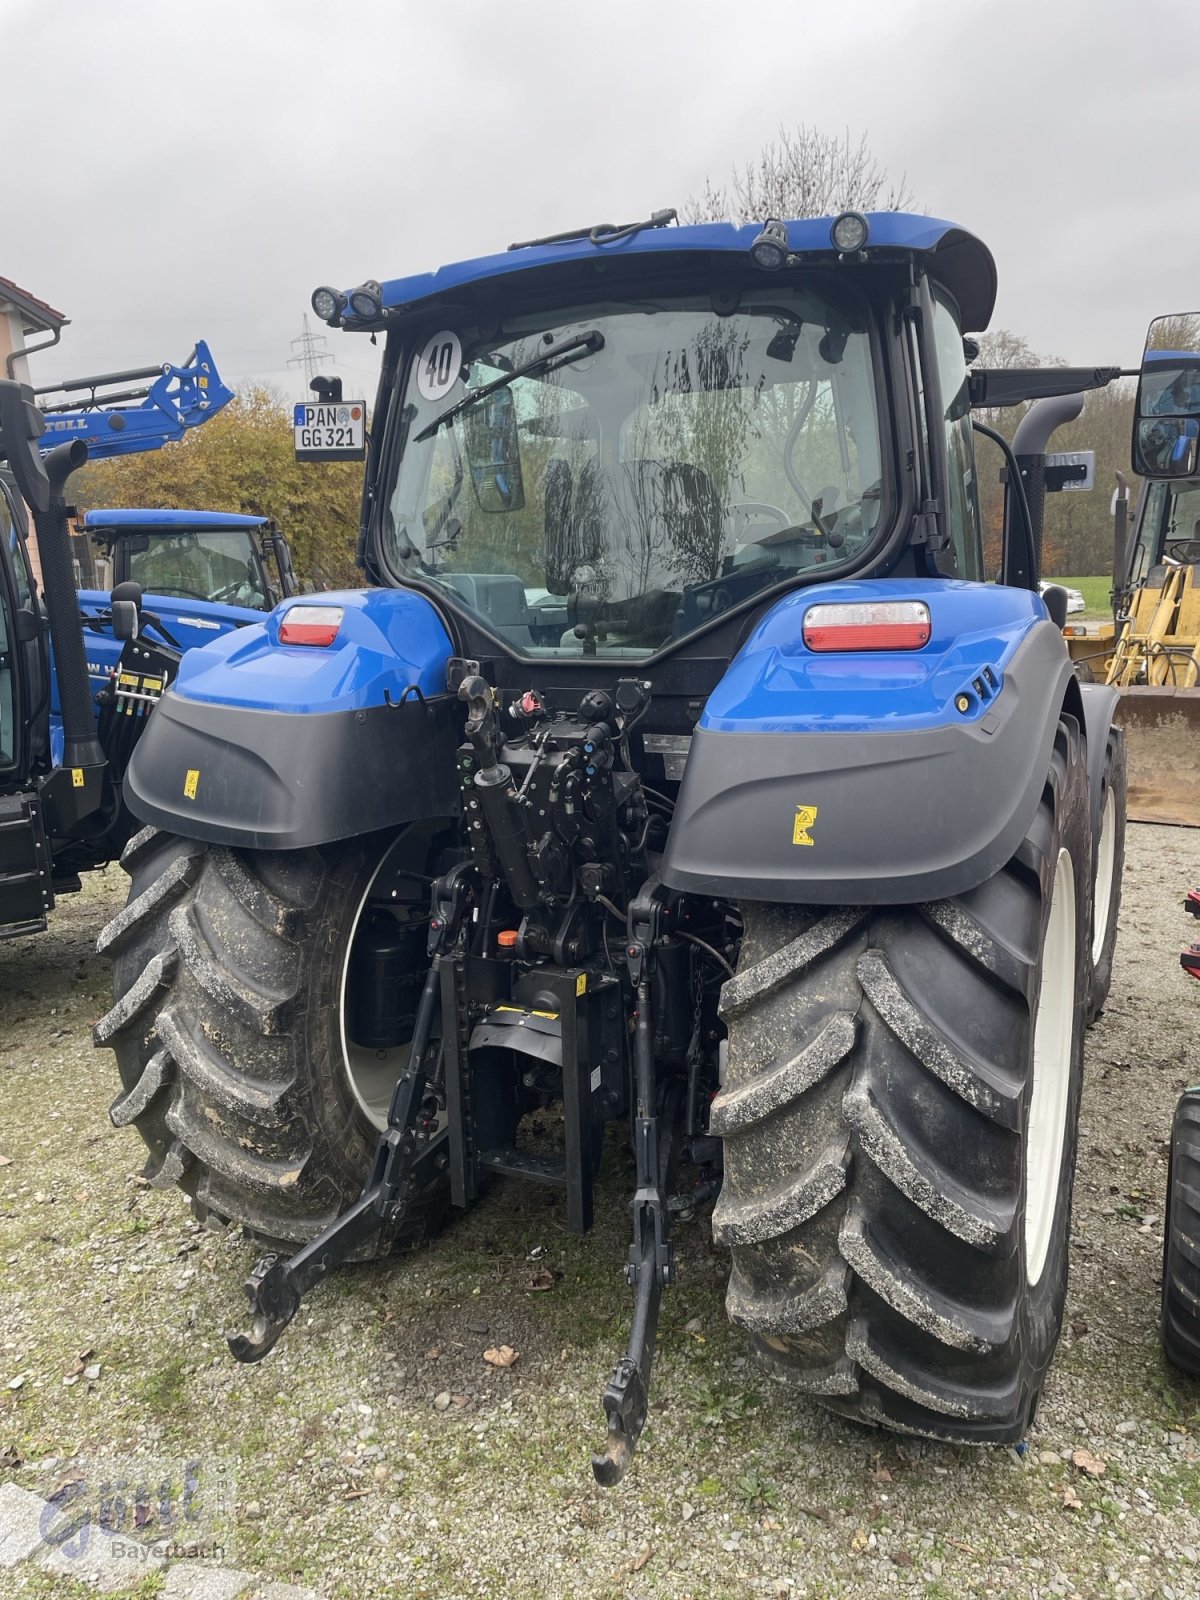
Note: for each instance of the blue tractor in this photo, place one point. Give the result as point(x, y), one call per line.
point(680, 769)
point(199, 574)
point(207, 573)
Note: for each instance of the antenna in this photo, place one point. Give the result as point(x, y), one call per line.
point(311, 354)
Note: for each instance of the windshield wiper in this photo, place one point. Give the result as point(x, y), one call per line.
point(556, 355)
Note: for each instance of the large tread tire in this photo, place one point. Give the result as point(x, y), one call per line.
point(1181, 1254)
point(873, 1112)
point(1109, 850)
point(226, 1028)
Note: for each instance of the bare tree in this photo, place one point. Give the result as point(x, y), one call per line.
point(1003, 348)
point(805, 173)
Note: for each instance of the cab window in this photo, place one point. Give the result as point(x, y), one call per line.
point(962, 493)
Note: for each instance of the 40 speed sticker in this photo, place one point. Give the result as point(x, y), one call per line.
point(439, 364)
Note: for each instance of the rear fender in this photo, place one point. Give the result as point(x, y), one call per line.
point(873, 777)
point(1097, 711)
point(271, 746)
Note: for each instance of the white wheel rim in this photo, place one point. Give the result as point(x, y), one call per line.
point(370, 1074)
point(1106, 861)
point(1053, 1032)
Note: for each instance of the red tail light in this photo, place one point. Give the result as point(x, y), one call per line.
point(317, 625)
point(868, 625)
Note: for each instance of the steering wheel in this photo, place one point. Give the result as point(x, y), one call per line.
point(234, 594)
point(746, 511)
point(1185, 551)
point(187, 594)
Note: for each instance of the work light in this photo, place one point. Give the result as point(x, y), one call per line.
point(770, 250)
point(850, 232)
point(328, 303)
point(367, 300)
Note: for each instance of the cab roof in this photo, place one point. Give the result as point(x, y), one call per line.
point(170, 519)
point(957, 260)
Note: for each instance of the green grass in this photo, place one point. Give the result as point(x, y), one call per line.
point(1094, 592)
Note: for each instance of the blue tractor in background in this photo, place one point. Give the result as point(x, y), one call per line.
point(205, 571)
point(681, 770)
point(182, 576)
point(198, 574)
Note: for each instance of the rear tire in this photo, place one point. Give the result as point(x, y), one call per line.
point(1108, 847)
point(1181, 1254)
point(898, 1152)
point(226, 1023)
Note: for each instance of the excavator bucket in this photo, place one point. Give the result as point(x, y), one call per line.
point(1162, 739)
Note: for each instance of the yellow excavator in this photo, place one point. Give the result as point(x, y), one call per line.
point(1155, 660)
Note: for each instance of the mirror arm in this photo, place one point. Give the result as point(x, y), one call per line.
point(1019, 567)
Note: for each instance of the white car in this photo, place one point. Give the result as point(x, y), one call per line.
point(1075, 600)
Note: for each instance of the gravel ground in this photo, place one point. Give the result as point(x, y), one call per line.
point(376, 1450)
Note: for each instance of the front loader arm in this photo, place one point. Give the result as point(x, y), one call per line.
point(129, 421)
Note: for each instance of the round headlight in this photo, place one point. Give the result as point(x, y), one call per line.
point(366, 301)
point(849, 232)
point(328, 303)
point(770, 249)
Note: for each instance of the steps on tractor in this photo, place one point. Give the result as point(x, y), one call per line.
point(26, 891)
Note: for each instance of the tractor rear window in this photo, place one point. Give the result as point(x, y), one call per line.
point(608, 482)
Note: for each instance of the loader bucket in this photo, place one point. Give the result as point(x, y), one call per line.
point(1162, 737)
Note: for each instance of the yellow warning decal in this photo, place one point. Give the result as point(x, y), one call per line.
point(805, 817)
point(191, 782)
point(77, 779)
point(581, 983)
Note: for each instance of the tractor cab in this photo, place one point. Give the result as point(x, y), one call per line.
point(1167, 533)
point(204, 573)
point(620, 453)
point(211, 556)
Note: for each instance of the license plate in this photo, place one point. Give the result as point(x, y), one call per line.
point(331, 432)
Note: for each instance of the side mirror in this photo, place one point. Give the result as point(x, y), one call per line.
point(126, 604)
point(1166, 427)
point(125, 619)
point(1054, 599)
point(494, 453)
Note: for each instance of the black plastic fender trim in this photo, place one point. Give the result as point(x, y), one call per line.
point(273, 780)
point(871, 818)
point(1099, 709)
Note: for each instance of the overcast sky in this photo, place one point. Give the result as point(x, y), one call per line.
point(195, 169)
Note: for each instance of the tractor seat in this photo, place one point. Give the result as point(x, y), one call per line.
point(498, 596)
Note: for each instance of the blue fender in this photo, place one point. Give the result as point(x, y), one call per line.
point(267, 745)
point(873, 777)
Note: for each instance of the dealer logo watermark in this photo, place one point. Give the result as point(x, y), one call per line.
point(147, 1509)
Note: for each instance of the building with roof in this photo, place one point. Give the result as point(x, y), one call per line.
point(23, 316)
